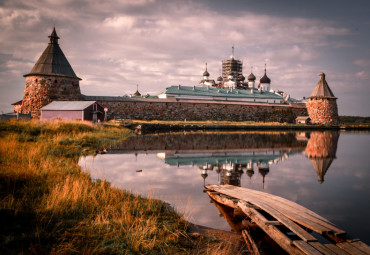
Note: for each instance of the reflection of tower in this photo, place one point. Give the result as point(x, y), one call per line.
point(321, 149)
point(263, 169)
point(250, 171)
point(231, 174)
point(218, 171)
point(204, 173)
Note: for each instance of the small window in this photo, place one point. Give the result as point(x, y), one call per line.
point(36, 80)
point(55, 81)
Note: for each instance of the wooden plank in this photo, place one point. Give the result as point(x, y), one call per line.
point(273, 222)
point(252, 206)
point(287, 211)
point(274, 197)
point(285, 221)
point(251, 244)
point(336, 249)
point(222, 200)
point(294, 214)
point(280, 238)
point(321, 248)
point(290, 204)
point(361, 246)
point(303, 214)
point(306, 248)
point(350, 248)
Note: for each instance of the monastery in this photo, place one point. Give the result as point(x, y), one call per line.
point(231, 97)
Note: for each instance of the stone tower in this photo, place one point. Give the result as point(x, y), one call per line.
point(322, 106)
point(51, 78)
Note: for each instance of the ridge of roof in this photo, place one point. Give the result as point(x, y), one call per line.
point(68, 105)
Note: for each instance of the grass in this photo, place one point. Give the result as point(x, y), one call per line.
point(49, 206)
point(347, 122)
point(201, 123)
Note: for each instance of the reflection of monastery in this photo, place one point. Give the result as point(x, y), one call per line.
point(231, 155)
point(229, 165)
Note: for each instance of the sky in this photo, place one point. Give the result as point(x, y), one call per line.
point(115, 45)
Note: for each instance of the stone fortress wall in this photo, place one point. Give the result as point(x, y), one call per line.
point(160, 109)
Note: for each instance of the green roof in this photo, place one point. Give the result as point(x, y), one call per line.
point(192, 160)
point(218, 92)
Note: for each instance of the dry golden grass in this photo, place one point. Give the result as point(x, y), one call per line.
point(47, 205)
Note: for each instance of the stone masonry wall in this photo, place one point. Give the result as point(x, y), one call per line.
point(323, 111)
point(322, 144)
point(42, 90)
point(146, 110)
point(206, 142)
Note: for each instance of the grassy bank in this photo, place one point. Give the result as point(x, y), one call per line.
point(48, 206)
point(163, 126)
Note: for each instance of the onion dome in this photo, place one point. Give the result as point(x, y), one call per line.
point(265, 79)
point(206, 72)
point(250, 173)
point(242, 78)
point(251, 77)
point(137, 93)
point(219, 78)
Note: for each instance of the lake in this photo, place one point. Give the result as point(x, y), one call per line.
point(327, 172)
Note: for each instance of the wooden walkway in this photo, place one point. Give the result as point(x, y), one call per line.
point(290, 225)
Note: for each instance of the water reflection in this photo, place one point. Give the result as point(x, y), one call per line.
point(176, 166)
point(321, 149)
point(230, 165)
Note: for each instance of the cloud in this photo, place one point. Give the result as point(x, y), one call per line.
point(362, 62)
point(157, 44)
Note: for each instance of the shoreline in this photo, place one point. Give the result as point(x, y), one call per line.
point(141, 126)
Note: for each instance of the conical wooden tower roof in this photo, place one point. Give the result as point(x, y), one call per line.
point(321, 166)
point(322, 89)
point(53, 61)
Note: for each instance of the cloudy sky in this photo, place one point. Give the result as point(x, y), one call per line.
point(153, 43)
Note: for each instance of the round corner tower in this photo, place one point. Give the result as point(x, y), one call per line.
point(51, 78)
point(322, 104)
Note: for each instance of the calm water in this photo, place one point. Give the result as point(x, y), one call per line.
point(327, 172)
